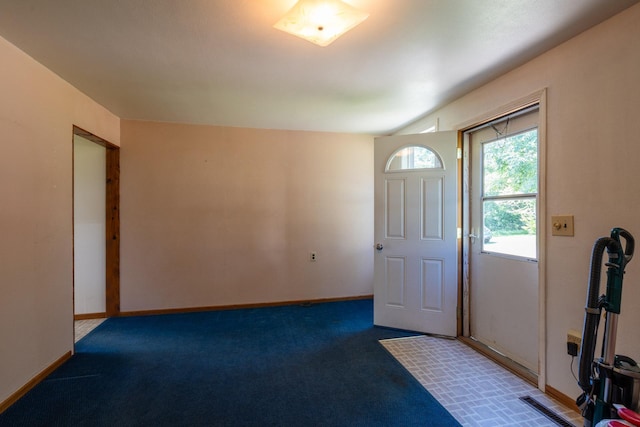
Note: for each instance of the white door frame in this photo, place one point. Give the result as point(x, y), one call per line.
point(538, 97)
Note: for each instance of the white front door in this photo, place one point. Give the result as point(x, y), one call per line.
point(416, 280)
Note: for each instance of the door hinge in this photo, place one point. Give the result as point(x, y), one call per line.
point(459, 233)
point(459, 153)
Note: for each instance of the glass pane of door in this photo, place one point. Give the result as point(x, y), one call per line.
point(510, 188)
point(414, 157)
point(510, 227)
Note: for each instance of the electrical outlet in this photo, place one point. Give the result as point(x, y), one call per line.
point(313, 256)
point(574, 336)
point(574, 339)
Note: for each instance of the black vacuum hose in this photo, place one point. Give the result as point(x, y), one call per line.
point(592, 313)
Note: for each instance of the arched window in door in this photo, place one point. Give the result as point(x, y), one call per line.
point(412, 158)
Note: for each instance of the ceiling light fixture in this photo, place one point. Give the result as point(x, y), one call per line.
point(320, 21)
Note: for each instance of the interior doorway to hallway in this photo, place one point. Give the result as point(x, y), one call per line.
point(96, 226)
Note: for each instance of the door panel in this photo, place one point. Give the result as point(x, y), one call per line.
point(395, 282)
point(394, 204)
point(433, 284)
point(504, 307)
point(432, 215)
point(416, 280)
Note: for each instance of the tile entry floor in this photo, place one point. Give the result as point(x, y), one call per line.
point(83, 327)
point(474, 389)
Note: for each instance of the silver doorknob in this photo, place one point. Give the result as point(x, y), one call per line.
point(379, 246)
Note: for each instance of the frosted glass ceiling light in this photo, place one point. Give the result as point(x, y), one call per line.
point(320, 21)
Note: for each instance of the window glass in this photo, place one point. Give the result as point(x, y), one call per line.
point(510, 226)
point(415, 157)
point(510, 165)
point(510, 186)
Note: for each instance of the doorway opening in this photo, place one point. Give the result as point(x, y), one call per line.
point(96, 230)
point(503, 223)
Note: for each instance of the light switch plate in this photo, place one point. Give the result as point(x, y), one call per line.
point(562, 225)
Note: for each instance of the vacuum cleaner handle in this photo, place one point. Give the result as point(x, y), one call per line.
point(629, 243)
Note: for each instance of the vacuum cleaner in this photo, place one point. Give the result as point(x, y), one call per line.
point(612, 381)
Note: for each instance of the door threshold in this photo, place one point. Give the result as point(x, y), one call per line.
point(502, 360)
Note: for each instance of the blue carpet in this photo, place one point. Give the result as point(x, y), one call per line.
point(320, 365)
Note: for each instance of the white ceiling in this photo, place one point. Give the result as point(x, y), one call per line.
point(220, 62)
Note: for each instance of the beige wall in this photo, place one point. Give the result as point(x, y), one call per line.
point(593, 143)
point(89, 224)
point(216, 216)
point(37, 112)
